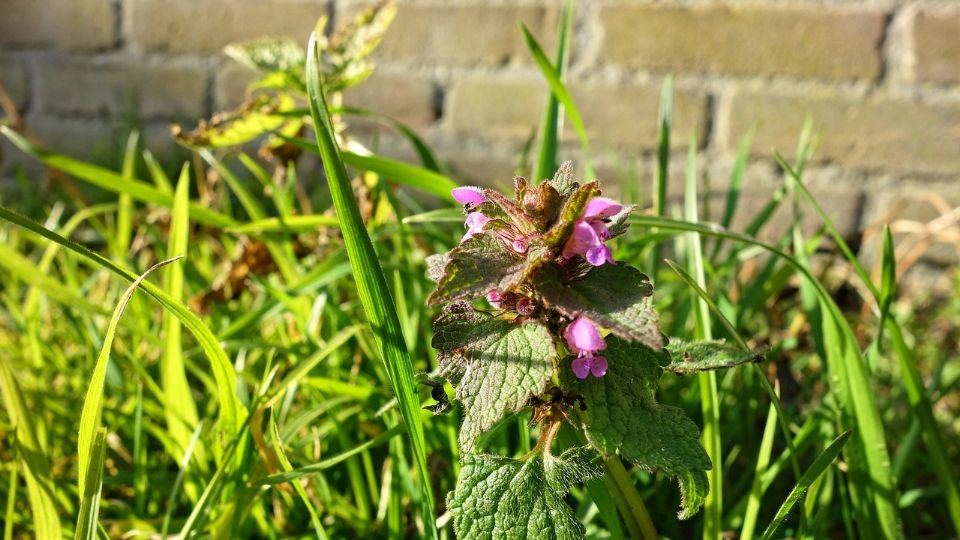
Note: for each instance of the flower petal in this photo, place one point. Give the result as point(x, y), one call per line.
point(597, 255)
point(474, 224)
point(598, 366)
point(601, 207)
point(494, 298)
point(583, 337)
point(581, 239)
point(468, 195)
point(581, 367)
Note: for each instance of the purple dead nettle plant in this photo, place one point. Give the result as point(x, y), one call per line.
point(538, 315)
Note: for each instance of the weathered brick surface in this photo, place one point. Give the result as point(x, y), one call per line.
point(405, 97)
point(195, 26)
point(936, 36)
point(13, 77)
point(64, 24)
point(467, 34)
point(230, 85)
point(501, 107)
point(72, 86)
point(872, 133)
point(806, 42)
point(625, 116)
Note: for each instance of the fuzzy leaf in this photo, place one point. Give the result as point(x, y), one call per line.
point(516, 215)
point(496, 365)
point(259, 116)
point(694, 356)
point(271, 56)
point(623, 416)
point(615, 296)
point(563, 180)
point(618, 223)
point(571, 211)
point(435, 265)
point(476, 267)
point(498, 497)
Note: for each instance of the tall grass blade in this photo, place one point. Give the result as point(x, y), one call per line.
point(709, 399)
point(552, 125)
point(819, 465)
point(371, 283)
point(559, 90)
point(184, 462)
point(920, 404)
point(93, 401)
point(662, 177)
point(33, 462)
point(181, 411)
point(124, 232)
point(223, 371)
point(111, 181)
point(90, 498)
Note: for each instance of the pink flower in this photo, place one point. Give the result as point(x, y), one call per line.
point(525, 306)
point(474, 224)
point(495, 299)
point(590, 232)
point(468, 195)
point(584, 338)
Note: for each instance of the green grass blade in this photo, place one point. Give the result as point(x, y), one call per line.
point(184, 462)
point(93, 401)
point(756, 488)
point(23, 269)
point(371, 283)
point(90, 498)
point(223, 371)
point(247, 200)
point(124, 232)
point(736, 182)
point(709, 399)
point(427, 159)
point(111, 181)
point(563, 96)
point(288, 224)
point(552, 125)
point(297, 486)
point(819, 465)
point(33, 462)
point(662, 179)
point(181, 410)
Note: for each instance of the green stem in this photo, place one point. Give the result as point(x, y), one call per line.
point(629, 502)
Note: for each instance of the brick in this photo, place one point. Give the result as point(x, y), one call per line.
point(95, 140)
point(73, 86)
point(405, 97)
point(937, 40)
point(63, 24)
point(813, 42)
point(13, 77)
point(868, 133)
point(207, 26)
point(499, 107)
point(625, 116)
point(464, 34)
point(230, 85)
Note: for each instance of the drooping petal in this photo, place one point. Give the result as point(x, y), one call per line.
point(468, 195)
point(601, 207)
point(597, 255)
point(598, 366)
point(581, 239)
point(474, 224)
point(581, 367)
point(583, 337)
point(600, 228)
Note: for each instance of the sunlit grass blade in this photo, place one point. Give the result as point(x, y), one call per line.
point(917, 395)
point(124, 232)
point(184, 462)
point(24, 270)
point(246, 199)
point(111, 181)
point(93, 401)
point(662, 178)
point(181, 411)
point(709, 399)
point(371, 283)
point(90, 498)
point(301, 492)
point(427, 159)
point(223, 371)
point(288, 224)
point(819, 465)
point(552, 125)
point(756, 488)
point(559, 90)
point(34, 463)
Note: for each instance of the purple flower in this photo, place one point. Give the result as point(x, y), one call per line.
point(495, 299)
point(525, 306)
point(468, 195)
point(584, 338)
point(474, 224)
point(590, 232)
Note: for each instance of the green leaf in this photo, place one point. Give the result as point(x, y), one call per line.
point(623, 416)
point(498, 497)
point(496, 365)
point(345, 55)
point(257, 117)
point(271, 55)
point(552, 123)
point(694, 356)
point(615, 296)
point(90, 497)
point(478, 265)
point(563, 180)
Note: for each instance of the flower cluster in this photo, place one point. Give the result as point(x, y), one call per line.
point(586, 242)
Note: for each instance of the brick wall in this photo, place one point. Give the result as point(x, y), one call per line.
point(881, 79)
